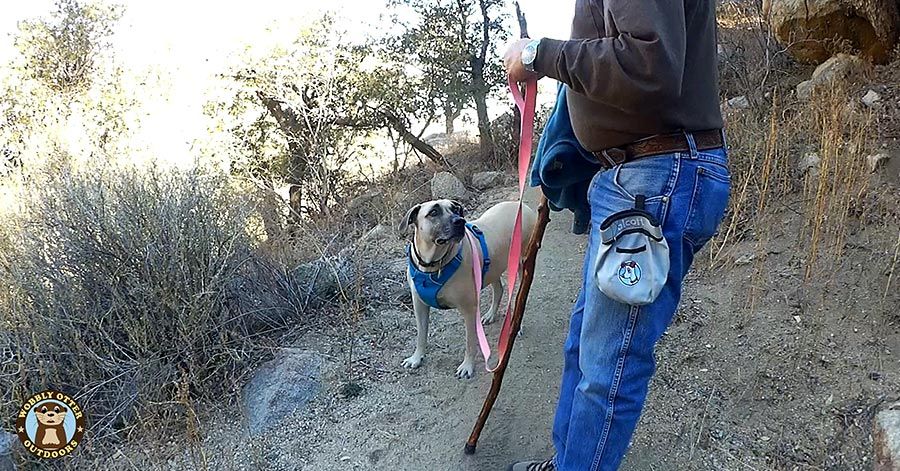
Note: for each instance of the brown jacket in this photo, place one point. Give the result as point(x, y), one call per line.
point(635, 68)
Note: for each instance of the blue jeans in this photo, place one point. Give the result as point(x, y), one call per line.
point(608, 355)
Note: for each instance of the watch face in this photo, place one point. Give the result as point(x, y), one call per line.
point(529, 53)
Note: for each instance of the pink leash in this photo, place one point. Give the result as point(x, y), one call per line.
point(526, 107)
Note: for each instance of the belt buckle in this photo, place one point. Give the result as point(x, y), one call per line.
point(614, 156)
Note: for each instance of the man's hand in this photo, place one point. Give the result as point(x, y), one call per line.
point(512, 60)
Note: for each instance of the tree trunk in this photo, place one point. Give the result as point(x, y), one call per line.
point(480, 96)
point(481, 89)
point(270, 211)
point(449, 118)
point(295, 201)
point(419, 145)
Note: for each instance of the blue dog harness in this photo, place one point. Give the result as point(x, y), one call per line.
point(429, 283)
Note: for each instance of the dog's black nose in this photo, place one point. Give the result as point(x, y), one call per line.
point(459, 222)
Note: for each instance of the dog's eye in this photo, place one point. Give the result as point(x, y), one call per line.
point(434, 212)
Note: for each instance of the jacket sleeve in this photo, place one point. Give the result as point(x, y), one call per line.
point(642, 65)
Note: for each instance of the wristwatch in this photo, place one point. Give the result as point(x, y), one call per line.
point(529, 54)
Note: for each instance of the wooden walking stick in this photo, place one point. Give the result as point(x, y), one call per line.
point(530, 258)
point(534, 244)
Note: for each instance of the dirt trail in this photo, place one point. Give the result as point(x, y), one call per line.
point(421, 421)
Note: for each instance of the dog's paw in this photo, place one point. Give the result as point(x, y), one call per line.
point(488, 318)
point(466, 370)
point(413, 362)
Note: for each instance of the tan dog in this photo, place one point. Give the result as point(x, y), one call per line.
point(439, 231)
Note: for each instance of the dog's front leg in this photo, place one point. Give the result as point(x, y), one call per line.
point(423, 312)
point(467, 367)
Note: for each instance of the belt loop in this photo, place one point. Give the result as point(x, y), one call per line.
point(692, 145)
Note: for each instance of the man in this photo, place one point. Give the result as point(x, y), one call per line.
point(641, 87)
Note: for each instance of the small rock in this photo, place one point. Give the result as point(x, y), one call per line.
point(485, 180)
point(281, 388)
point(875, 161)
point(871, 98)
point(887, 439)
point(744, 259)
point(809, 164)
point(446, 185)
point(739, 103)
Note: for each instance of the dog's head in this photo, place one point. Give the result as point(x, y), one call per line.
point(438, 223)
point(51, 413)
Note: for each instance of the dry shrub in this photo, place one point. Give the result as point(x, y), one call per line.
point(131, 289)
point(751, 61)
point(829, 199)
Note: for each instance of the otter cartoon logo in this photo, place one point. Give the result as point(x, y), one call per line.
point(50, 424)
point(629, 273)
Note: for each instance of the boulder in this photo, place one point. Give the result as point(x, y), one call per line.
point(323, 279)
point(485, 180)
point(357, 206)
point(814, 30)
point(281, 388)
point(886, 439)
point(842, 67)
point(445, 185)
point(7, 442)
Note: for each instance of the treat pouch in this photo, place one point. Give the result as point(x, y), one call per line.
point(633, 260)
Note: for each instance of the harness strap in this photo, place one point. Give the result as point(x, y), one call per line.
point(429, 284)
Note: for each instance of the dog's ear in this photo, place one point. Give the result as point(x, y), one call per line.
point(410, 218)
point(457, 208)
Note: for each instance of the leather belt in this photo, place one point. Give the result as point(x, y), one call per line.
point(657, 145)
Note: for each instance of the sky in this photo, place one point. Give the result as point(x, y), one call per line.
point(187, 42)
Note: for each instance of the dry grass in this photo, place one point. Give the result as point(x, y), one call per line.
point(829, 200)
point(138, 290)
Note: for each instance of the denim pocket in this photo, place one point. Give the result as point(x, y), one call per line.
point(650, 177)
point(709, 201)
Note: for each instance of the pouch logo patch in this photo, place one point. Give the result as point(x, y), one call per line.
point(629, 273)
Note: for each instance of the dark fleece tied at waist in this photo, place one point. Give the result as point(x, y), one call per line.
point(563, 168)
